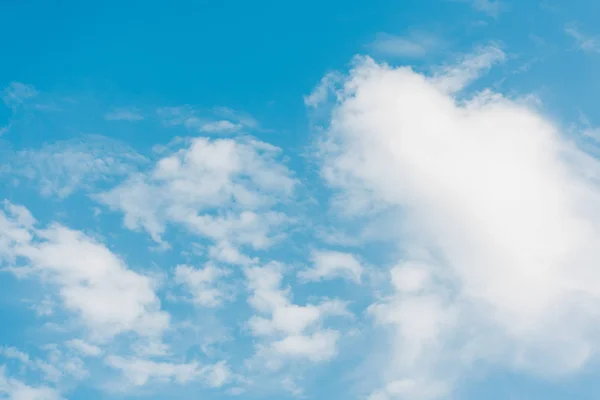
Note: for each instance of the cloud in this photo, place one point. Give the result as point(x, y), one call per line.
point(61, 168)
point(14, 389)
point(139, 372)
point(219, 120)
point(454, 78)
point(92, 282)
point(289, 330)
point(204, 284)
point(494, 212)
point(221, 189)
point(587, 44)
point(332, 264)
point(321, 92)
point(123, 114)
point(84, 348)
point(17, 93)
point(415, 45)
point(220, 126)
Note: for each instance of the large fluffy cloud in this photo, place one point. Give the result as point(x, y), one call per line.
point(497, 220)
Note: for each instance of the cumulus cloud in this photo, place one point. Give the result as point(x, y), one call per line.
point(497, 221)
point(332, 264)
point(289, 330)
point(220, 189)
point(204, 284)
point(92, 282)
point(14, 389)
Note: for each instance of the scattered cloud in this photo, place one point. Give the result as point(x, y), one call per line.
point(204, 284)
point(242, 177)
point(84, 348)
point(587, 44)
point(332, 264)
point(453, 78)
point(322, 91)
point(289, 330)
point(14, 389)
point(92, 282)
point(123, 114)
point(139, 372)
point(414, 45)
point(218, 120)
point(17, 93)
point(61, 168)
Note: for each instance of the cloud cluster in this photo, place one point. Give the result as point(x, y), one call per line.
point(220, 189)
point(290, 330)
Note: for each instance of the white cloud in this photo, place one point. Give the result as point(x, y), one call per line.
point(139, 372)
point(497, 221)
point(204, 284)
point(92, 282)
point(14, 389)
point(84, 348)
point(221, 119)
point(587, 44)
point(123, 114)
point(221, 126)
point(17, 93)
point(289, 330)
point(453, 78)
point(321, 92)
point(60, 168)
point(221, 189)
point(415, 45)
point(332, 264)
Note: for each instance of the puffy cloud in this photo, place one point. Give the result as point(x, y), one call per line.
point(14, 389)
point(221, 189)
point(84, 348)
point(332, 264)
point(204, 284)
point(92, 282)
point(290, 330)
point(496, 215)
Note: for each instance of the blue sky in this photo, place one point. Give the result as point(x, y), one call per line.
point(385, 200)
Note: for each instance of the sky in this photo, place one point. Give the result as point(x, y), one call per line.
point(383, 200)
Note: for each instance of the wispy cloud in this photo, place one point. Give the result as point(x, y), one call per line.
point(585, 43)
point(414, 45)
point(493, 8)
point(16, 93)
point(123, 114)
